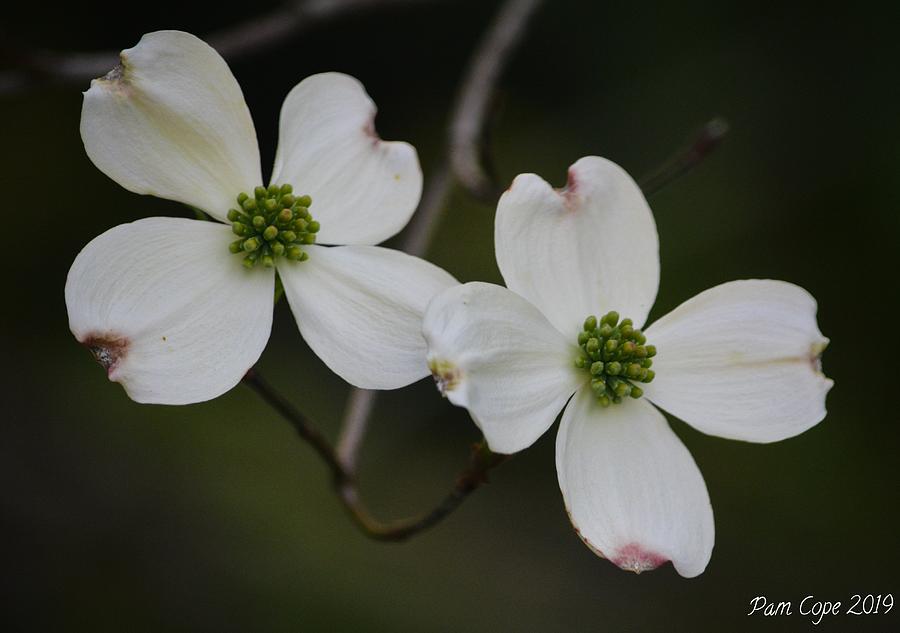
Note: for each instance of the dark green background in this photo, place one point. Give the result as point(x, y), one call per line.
point(125, 517)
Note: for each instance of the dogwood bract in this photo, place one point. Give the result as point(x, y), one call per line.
point(740, 360)
point(178, 310)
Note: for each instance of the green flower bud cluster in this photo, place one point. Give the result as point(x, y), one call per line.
point(272, 222)
point(616, 356)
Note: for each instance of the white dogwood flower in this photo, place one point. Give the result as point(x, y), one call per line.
point(740, 360)
point(178, 310)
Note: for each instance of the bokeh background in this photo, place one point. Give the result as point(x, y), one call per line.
point(124, 517)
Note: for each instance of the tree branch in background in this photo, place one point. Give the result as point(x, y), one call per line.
point(360, 404)
point(687, 157)
point(466, 149)
point(470, 479)
point(36, 67)
point(467, 130)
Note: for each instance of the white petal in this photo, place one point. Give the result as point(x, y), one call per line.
point(168, 310)
point(364, 190)
point(585, 249)
point(171, 122)
point(495, 354)
point(741, 361)
point(360, 310)
point(632, 489)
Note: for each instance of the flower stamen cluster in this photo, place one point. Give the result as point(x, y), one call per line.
point(616, 356)
point(272, 223)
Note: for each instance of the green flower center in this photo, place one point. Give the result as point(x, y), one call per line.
point(616, 356)
point(272, 223)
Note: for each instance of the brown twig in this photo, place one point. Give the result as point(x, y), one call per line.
point(481, 460)
point(471, 478)
point(36, 67)
point(708, 138)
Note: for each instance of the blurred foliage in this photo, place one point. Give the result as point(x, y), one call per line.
point(118, 516)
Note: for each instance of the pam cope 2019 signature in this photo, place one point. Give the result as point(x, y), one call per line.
point(816, 609)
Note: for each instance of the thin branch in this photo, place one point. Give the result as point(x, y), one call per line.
point(709, 137)
point(479, 86)
point(360, 404)
point(422, 228)
point(481, 461)
point(255, 35)
point(470, 479)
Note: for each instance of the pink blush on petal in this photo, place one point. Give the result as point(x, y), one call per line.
point(633, 557)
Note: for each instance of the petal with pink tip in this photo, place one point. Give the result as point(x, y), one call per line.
point(632, 489)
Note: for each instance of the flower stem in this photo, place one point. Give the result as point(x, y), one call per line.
point(481, 460)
